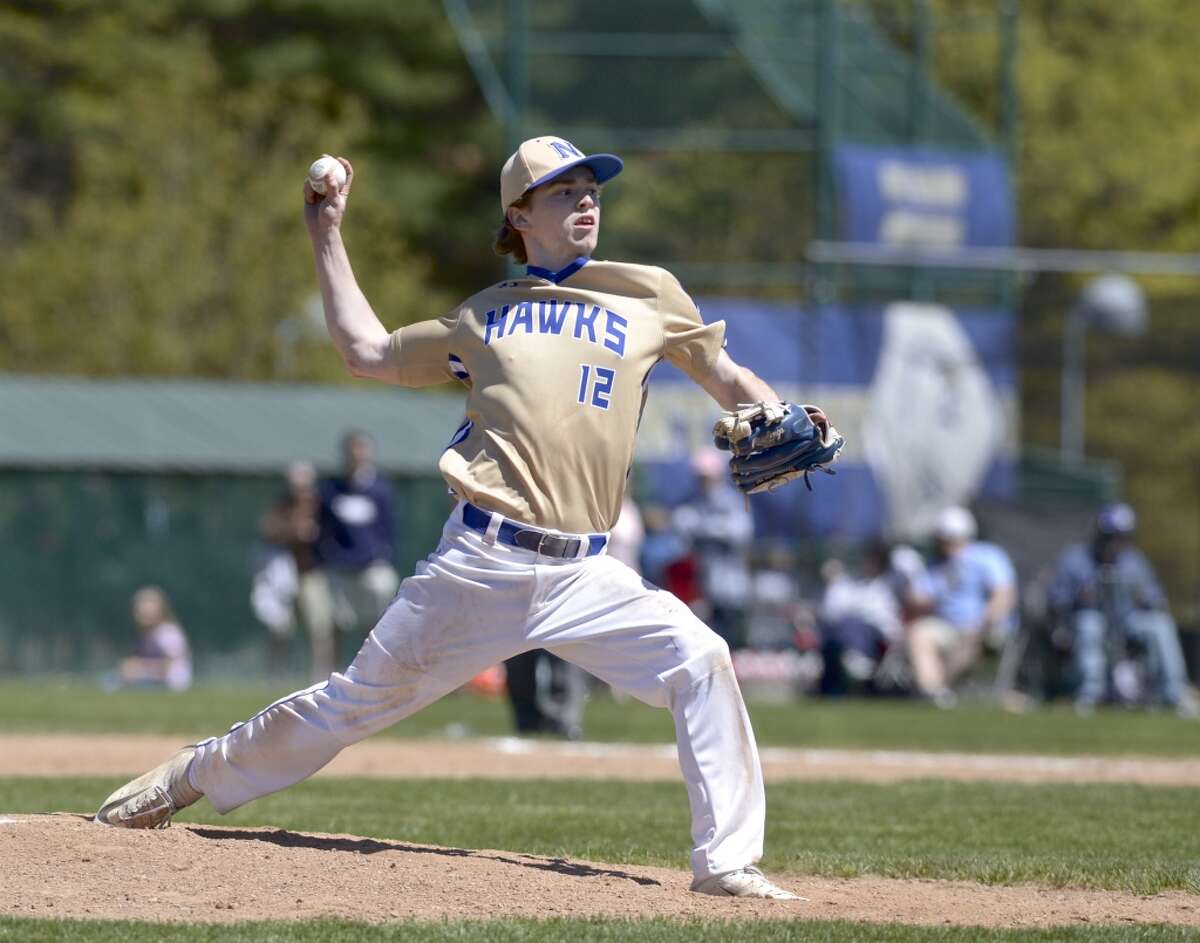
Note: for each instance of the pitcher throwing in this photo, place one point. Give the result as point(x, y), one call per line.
point(555, 364)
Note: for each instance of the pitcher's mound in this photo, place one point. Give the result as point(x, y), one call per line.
point(67, 866)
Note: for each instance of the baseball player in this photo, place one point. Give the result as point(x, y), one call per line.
point(555, 363)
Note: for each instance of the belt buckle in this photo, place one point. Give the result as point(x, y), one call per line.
point(559, 545)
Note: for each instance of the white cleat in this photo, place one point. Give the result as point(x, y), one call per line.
point(150, 800)
point(748, 882)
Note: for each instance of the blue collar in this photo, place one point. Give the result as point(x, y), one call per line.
point(556, 277)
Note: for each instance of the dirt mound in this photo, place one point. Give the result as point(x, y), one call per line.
point(513, 758)
point(67, 866)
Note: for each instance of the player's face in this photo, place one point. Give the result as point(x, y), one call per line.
point(564, 217)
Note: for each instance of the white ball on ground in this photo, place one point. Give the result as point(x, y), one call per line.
point(320, 167)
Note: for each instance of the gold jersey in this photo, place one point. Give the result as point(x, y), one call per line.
point(555, 365)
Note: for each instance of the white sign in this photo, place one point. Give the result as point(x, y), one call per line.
point(934, 420)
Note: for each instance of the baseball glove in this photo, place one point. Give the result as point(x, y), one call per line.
point(772, 443)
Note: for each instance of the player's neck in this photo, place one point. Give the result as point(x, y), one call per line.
point(551, 261)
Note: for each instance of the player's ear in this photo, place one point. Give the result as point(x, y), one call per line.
point(517, 218)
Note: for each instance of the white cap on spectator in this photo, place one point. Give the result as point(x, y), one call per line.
point(955, 523)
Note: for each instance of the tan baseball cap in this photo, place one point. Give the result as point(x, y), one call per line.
point(540, 160)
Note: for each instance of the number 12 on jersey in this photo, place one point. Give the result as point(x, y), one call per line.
point(595, 385)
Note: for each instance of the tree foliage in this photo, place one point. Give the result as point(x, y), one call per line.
point(156, 155)
point(1105, 160)
point(1106, 130)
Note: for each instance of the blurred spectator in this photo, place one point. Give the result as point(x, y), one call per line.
point(289, 584)
point(547, 694)
point(626, 538)
point(773, 616)
point(356, 537)
point(161, 655)
point(862, 614)
point(1107, 592)
point(666, 559)
point(968, 594)
point(719, 526)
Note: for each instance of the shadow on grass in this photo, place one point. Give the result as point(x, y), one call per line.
point(371, 846)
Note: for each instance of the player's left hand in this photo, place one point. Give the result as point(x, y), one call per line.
point(324, 211)
point(773, 443)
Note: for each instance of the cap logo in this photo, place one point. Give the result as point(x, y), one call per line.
point(565, 149)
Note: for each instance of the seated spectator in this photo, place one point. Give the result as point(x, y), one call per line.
point(861, 616)
point(1107, 593)
point(162, 657)
point(968, 594)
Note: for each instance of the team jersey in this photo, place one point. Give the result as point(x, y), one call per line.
point(555, 365)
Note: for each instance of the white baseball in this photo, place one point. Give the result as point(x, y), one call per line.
point(320, 167)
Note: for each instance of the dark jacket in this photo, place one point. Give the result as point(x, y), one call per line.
point(356, 523)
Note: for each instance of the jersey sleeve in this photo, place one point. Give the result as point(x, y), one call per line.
point(688, 343)
point(420, 352)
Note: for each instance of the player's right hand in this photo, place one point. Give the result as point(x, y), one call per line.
point(323, 212)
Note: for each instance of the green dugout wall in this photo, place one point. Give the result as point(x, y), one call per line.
point(106, 486)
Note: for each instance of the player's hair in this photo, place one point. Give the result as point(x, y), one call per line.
point(508, 241)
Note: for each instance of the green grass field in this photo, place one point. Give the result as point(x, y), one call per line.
point(877, 725)
point(1122, 837)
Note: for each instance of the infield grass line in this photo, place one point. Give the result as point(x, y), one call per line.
point(75, 707)
point(1118, 836)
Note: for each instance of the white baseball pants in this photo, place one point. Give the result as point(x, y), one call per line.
point(472, 604)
